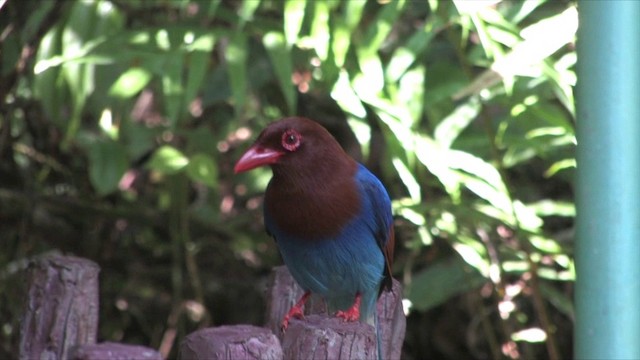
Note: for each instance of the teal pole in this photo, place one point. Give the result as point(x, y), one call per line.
point(607, 296)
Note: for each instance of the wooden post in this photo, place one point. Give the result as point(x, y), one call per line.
point(114, 351)
point(322, 337)
point(230, 343)
point(392, 321)
point(61, 307)
point(283, 292)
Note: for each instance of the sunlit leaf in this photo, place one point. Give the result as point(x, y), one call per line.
point(559, 166)
point(531, 335)
point(546, 245)
point(408, 179)
point(281, 62)
point(342, 29)
point(247, 9)
point(47, 86)
point(474, 254)
point(345, 96)
point(172, 87)
point(202, 42)
point(367, 50)
point(236, 56)
point(553, 208)
point(130, 83)
point(540, 40)
point(486, 181)
point(202, 168)
point(168, 160)
point(411, 91)
point(521, 9)
point(434, 157)
point(527, 217)
point(406, 55)
point(293, 17)
point(450, 127)
point(320, 33)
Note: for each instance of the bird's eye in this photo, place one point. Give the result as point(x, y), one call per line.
point(291, 140)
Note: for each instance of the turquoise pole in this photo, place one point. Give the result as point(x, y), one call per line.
point(607, 294)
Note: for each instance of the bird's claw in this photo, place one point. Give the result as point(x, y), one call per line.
point(295, 312)
point(353, 314)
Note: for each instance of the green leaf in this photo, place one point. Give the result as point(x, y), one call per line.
point(406, 55)
point(172, 86)
point(559, 166)
point(236, 56)
point(474, 254)
point(130, 83)
point(320, 29)
point(371, 79)
point(546, 245)
point(451, 127)
point(281, 61)
point(47, 86)
point(203, 168)
point(408, 179)
point(553, 208)
point(198, 63)
point(293, 18)
point(168, 160)
point(342, 30)
point(442, 281)
point(247, 9)
point(107, 163)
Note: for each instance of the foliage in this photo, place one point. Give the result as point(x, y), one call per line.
point(121, 121)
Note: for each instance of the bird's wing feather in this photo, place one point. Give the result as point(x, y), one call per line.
point(383, 219)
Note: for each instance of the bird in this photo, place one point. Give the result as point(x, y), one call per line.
point(330, 217)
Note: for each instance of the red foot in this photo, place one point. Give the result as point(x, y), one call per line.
point(295, 311)
point(353, 313)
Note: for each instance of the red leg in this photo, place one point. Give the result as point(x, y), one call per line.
point(353, 313)
point(295, 311)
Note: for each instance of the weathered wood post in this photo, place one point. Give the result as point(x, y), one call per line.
point(61, 307)
point(331, 338)
point(317, 336)
point(61, 314)
point(114, 351)
point(231, 342)
point(323, 337)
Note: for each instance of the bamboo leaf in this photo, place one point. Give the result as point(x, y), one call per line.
point(236, 56)
point(130, 83)
point(168, 160)
point(294, 11)
point(281, 61)
point(172, 88)
point(451, 127)
point(203, 168)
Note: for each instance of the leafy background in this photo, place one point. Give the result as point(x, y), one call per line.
point(121, 121)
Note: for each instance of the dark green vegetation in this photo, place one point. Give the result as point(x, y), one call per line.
point(120, 122)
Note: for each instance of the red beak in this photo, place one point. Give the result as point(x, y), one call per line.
point(256, 156)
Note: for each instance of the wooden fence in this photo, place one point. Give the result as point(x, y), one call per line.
point(60, 321)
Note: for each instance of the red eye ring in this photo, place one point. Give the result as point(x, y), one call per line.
point(291, 140)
